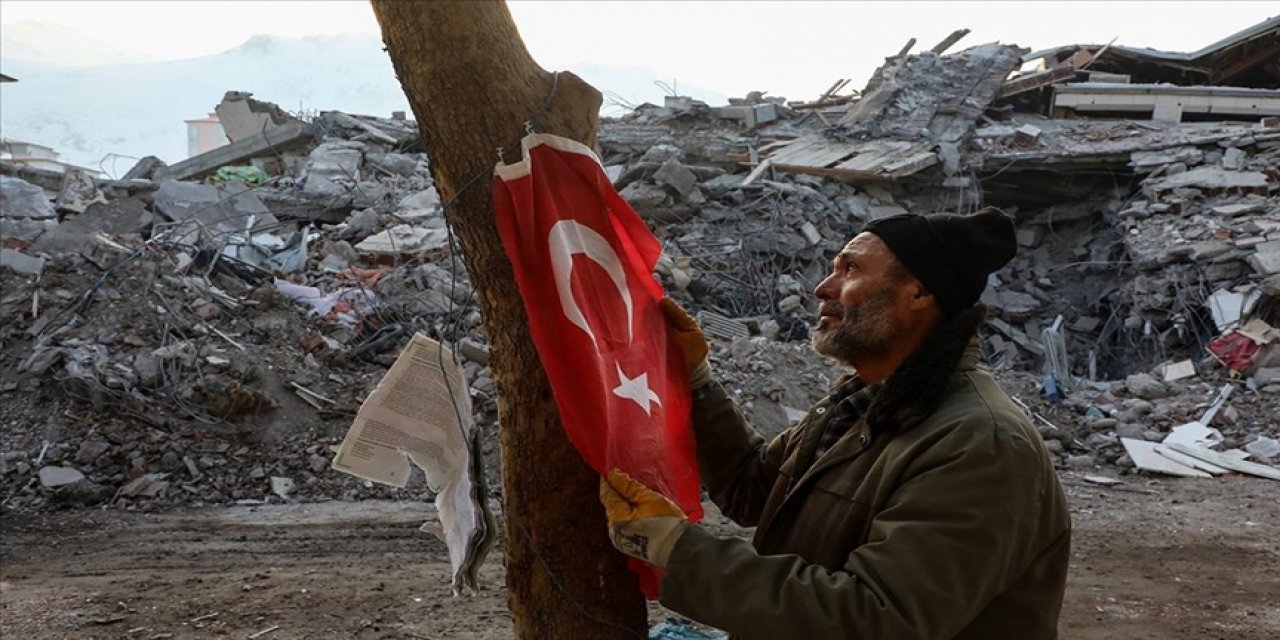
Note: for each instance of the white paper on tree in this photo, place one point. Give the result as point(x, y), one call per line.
point(421, 411)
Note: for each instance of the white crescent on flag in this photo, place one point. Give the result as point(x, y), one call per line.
point(568, 238)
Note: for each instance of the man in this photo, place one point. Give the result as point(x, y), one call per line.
point(916, 501)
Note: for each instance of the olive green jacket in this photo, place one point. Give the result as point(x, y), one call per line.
point(937, 515)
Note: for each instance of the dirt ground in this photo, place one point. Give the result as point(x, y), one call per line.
point(1152, 559)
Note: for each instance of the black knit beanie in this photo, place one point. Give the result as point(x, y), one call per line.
point(951, 254)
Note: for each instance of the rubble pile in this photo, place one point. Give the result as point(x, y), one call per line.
point(189, 342)
point(204, 332)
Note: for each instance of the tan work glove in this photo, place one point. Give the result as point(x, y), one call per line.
point(688, 335)
point(642, 523)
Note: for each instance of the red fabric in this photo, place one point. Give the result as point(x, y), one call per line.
point(601, 369)
point(1235, 350)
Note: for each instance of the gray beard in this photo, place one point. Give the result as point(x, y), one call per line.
point(864, 332)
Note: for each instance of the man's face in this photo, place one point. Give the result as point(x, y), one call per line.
point(862, 302)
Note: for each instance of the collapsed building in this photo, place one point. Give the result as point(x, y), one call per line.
point(203, 332)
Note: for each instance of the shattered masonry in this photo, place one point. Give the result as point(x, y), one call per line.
point(203, 332)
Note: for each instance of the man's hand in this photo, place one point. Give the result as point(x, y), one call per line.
point(688, 335)
point(642, 523)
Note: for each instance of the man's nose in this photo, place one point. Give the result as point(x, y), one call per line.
point(825, 289)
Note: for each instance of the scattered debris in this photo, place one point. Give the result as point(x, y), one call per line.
point(199, 333)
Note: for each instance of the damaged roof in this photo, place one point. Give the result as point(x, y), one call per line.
point(1250, 57)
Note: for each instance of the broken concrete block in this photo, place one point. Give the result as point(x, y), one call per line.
point(78, 191)
point(1208, 250)
point(1264, 377)
point(333, 169)
point(810, 233)
point(643, 195)
point(243, 117)
point(1234, 159)
point(425, 200)
point(402, 239)
point(790, 304)
point(116, 217)
point(1178, 371)
point(660, 153)
point(145, 169)
point(400, 164)
point(1027, 134)
point(1147, 160)
point(52, 477)
point(677, 176)
point(1238, 209)
point(1011, 305)
point(228, 207)
point(19, 262)
point(1266, 258)
point(1144, 386)
point(1209, 177)
point(21, 199)
point(282, 486)
point(25, 228)
point(681, 278)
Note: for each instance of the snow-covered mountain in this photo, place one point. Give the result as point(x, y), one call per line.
point(61, 45)
point(134, 110)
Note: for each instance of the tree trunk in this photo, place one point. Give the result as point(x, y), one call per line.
point(473, 86)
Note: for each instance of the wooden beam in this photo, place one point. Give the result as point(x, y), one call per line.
point(950, 40)
point(1245, 63)
point(271, 141)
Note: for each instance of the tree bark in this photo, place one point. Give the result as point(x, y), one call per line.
point(473, 86)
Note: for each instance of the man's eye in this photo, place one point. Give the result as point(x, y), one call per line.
point(850, 268)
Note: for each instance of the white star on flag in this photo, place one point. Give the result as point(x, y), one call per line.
point(636, 390)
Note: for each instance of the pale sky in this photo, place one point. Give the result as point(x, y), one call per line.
point(787, 48)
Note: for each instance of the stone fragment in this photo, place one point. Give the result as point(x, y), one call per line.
point(90, 449)
point(402, 239)
point(1208, 250)
point(1027, 134)
point(1234, 159)
point(25, 228)
point(677, 176)
point(282, 486)
point(401, 164)
point(333, 169)
point(810, 233)
point(318, 463)
point(1178, 370)
point(21, 263)
point(146, 486)
point(1144, 386)
point(1264, 377)
point(21, 199)
point(1238, 209)
point(228, 207)
point(52, 477)
point(425, 200)
point(78, 191)
point(117, 217)
point(1266, 258)
point(643, 195)
point(790, 304)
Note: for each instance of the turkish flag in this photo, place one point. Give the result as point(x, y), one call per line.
point(584, 261)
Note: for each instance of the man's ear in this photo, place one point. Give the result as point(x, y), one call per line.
point(921, 298)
